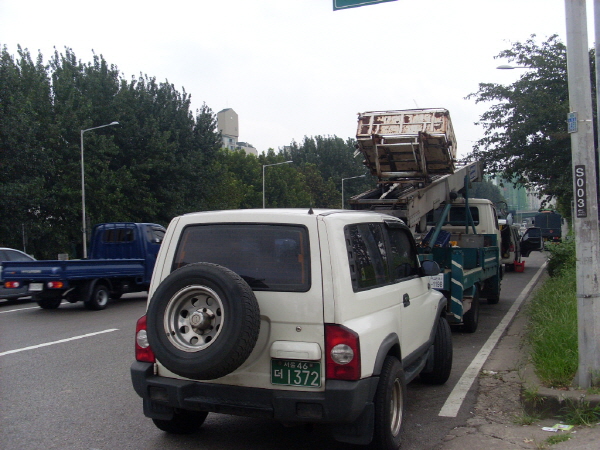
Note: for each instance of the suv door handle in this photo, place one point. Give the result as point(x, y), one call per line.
point(406, 300)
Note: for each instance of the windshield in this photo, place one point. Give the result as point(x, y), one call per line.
point(268, 257)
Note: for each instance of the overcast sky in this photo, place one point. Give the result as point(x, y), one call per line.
point(295, 68)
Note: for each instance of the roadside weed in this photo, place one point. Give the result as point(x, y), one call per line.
point(558, 438)
point(579, 412)
point(532, 396)
point(525, 419)
point(552, 330)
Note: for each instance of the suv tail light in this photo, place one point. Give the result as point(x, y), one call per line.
point(342, 358)
point(143, 352)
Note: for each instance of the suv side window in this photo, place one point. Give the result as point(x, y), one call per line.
point(367, 255)
point(403, 255)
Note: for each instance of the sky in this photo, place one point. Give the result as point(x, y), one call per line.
point(295, 68)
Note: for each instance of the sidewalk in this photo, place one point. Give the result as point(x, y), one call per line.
point(498, 413)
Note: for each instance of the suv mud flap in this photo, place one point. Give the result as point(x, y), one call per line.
point(360, 432)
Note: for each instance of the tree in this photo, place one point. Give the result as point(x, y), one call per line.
point(333, 159)
point(158, 163)
point(526, 138)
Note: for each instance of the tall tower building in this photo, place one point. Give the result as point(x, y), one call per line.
point(227, 122)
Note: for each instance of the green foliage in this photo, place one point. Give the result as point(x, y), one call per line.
point(488, 190)
point(160, 161)
point(562, 257)
point(526, 139)
point(151, 167)
point(580, 412)
point(325, 161)
point(552, 332)
point(558, 438)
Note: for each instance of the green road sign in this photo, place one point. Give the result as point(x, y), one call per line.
point(345, 4)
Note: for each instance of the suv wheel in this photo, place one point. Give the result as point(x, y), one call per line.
point(183, 422)
point(203, 321)
point(389, 405)
point(442, 354)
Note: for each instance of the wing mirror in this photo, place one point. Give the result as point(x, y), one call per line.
point(430, 268)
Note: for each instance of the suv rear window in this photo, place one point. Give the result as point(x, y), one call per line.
point(268, 257)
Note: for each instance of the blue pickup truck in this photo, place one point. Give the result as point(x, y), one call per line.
point(122, 258)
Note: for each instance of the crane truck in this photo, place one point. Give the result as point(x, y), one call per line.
point(413, 155)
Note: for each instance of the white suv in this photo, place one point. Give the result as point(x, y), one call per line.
point(297, 315)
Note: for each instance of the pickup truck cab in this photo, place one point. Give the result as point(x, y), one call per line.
point(122, 258)
point(301, 316)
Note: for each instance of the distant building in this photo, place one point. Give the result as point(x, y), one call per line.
point(227, 123)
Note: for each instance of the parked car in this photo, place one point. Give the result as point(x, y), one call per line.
point(301, 316)
point(9, 254)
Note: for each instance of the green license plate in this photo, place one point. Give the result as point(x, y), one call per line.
point(289, 372)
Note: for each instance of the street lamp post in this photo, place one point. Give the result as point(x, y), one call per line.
point(263, 176)
point(83, 187)
point(508, 67)
point(350, 178)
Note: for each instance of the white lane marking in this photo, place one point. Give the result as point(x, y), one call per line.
point(19, 309)
point(458, 394)
point(24, 309)
point(33, 347)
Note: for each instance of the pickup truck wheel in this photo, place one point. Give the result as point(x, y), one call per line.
point(98, 299)
point(494, 298)
point(48, 302)
point(442, 354)
point(203, 321)
point(471, 317)
point(389, 405)
point(183, 422)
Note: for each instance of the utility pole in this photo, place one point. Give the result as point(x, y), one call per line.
point(585, 220)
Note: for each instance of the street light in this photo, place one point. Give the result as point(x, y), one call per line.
point(263, 176)
point(508, 66)
point(83, 187)
point(350, 178)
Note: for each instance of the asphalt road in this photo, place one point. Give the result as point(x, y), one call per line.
point(64, 384)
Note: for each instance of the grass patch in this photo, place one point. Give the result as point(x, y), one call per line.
point(581, 413)
point(525, 419)
point(558, 438)
point(552, 331)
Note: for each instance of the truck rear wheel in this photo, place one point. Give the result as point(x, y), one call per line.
point(493, 297)
point(471, 317)
point(98, 298)
point(203, 321)
point(52, 302)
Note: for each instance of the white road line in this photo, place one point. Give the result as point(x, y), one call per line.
point(18, 309)
point(458, 394)
point(33, 347)
point(24, 309)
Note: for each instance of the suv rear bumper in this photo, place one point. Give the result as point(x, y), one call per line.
point(342, 402)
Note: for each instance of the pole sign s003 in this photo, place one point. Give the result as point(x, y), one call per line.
point(580, 191)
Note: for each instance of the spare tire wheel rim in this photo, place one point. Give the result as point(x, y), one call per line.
point(194, 318)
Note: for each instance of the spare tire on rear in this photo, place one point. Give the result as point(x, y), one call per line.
point(203, 321)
